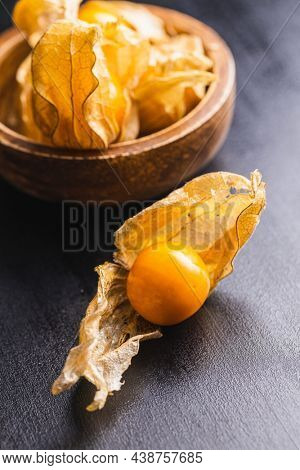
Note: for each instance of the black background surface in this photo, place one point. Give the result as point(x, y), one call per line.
point(229, 377)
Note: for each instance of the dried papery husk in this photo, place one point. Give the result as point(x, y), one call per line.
point(131, 123)
point(178, 53)
point(110, 335)
point(25, 90)
point(176, 80)
point(33, 17)
point(77, 102)
point(145, 23)
point(215, 214)
point(127, 54)
point(165, 99)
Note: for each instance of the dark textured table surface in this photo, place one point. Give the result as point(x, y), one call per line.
point(229, 377)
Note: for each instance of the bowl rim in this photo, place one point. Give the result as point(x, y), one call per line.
point(217, 94)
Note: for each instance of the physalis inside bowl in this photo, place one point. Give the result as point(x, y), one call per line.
point(169, 259)
point(103, 73)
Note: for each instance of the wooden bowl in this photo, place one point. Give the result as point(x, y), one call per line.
point(139, 169)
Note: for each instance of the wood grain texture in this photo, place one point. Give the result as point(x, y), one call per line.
point(139, 169)
point(229, 377)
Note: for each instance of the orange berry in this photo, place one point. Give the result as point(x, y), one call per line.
point(166, 286)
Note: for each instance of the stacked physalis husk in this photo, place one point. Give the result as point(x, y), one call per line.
point(95, 79)
point(215, 214)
